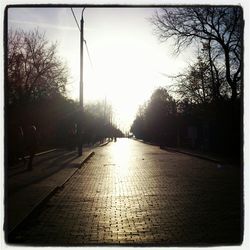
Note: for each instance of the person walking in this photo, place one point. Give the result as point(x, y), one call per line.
point(32, 144)
point(20, 144)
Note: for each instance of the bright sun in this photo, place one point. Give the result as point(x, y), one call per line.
point(127, 60)
point(117, 74)
point(124, 63)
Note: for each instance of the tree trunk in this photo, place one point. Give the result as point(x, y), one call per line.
point(211, 64)
point(231, 83)
point(234, 93)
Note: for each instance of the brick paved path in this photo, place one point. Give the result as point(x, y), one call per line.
point(133, 193)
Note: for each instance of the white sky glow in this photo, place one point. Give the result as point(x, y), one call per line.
point(127, 59)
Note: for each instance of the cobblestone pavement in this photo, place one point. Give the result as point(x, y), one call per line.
point(25, 190)
point(136, 194)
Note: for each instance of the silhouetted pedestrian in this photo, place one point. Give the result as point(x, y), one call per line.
point(20, 144)
point(31, 144)
point(71, 138)
point(80, 143)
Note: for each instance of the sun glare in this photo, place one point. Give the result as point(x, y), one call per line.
point(124, 60)
point(121, 154)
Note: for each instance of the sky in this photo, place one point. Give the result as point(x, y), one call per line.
point(127, 61)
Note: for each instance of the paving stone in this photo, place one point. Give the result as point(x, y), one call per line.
point(119, 199)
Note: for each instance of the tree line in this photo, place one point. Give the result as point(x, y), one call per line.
point(35, 95)
point(202, 108)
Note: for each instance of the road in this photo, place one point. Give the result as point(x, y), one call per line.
point(136, 194)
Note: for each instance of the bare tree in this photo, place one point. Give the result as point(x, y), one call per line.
point(213, 58)
point(194, 83)
point(202, 81)
point(34, 69)
point(220, 26)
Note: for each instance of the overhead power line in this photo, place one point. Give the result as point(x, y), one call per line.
point(75, 19)
point(88, 53)
point(84, 40)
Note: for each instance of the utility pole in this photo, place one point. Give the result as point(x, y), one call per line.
point(81, 63)
point(80, 121)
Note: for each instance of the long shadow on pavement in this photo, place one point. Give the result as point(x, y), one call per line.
point(60, 163)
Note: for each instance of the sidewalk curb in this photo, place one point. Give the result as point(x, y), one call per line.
point(43, 200)
point(26, 157)
point(146, 142)
point(80, 166)
point(46, 152)
point(203, 157)
point(42, 153)
point(104, 144)
point(191, 154)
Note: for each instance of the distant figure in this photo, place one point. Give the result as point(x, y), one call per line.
point(80, 143)
point(31, 144)
point(71, 138)
point(20, 144)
